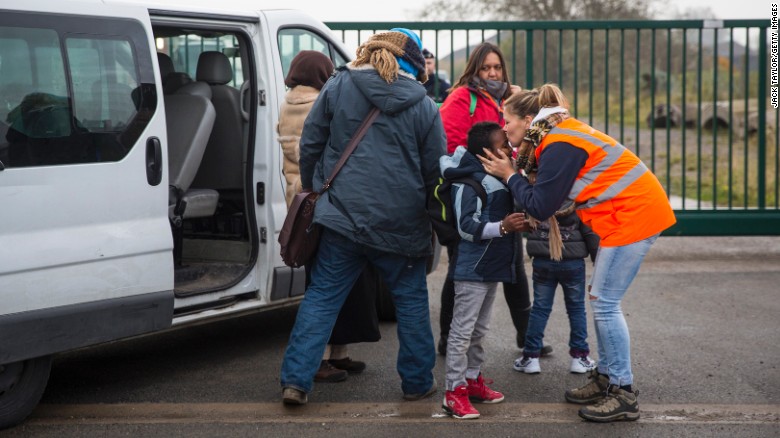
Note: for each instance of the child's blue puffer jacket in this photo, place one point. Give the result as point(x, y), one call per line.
point(475, 259)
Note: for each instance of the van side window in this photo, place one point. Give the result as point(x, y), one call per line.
point(184, 50)
point(104, 77)
point(292, 41)
point(67, 96)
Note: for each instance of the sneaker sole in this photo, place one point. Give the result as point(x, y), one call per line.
point(622, 416)
point(580, 370)
point(449, 412)
point(486, 401)
point(526, 372)
point(293, 401)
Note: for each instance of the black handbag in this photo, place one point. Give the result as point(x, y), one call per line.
point(300, 236)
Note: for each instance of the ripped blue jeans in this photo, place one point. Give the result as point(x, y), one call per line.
point(615, 269)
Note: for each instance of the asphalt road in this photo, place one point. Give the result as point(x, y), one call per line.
point(704, 315)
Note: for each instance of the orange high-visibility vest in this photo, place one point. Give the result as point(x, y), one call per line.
point(616, 194)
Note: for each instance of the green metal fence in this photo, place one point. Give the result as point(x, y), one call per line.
point(691, 98)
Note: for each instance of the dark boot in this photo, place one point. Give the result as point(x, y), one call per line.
point(329, 373)
point(348, 365)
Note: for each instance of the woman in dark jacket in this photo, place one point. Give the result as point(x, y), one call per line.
point(375, 210)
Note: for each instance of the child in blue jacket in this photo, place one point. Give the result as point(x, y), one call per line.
point(484, 257)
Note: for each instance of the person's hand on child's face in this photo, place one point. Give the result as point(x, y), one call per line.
point(515, 222)
point(499, 142)
point(497, 164)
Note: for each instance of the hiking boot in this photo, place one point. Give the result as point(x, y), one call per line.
point(581, 365)
point(329, 373)
point(480, 393)
point(593, 391)
point(528, 365)
point(456, 403)
point(292, 396)
point(618, 405)
point(348, 365)
point(422, 395)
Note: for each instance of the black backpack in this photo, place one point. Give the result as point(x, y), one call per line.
point(442, 213)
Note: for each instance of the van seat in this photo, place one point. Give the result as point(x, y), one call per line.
point(171, 79)
point(189, 119)
point(223, 160)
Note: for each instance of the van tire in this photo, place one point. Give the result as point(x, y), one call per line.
point(21, 388)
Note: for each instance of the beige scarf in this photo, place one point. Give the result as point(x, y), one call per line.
point(526, 160)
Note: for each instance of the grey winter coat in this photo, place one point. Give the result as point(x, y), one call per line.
point(378, 198)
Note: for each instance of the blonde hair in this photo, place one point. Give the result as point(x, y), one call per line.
point(529, 102)
point(380, 51)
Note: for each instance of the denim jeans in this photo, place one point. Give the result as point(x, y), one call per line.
point(615, 269)
point(547, 275)
point(470, 324)
point(338, 264)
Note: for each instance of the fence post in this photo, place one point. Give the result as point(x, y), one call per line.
point(529, 58)
point(762, 79)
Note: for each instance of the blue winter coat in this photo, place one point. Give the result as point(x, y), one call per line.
point(379, 197)
point(477, 259)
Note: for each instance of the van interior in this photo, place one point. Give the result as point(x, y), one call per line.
point(207, 101)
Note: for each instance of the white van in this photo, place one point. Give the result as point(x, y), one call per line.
point(140, 174)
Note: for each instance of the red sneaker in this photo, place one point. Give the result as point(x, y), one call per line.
point(457, 404)
point(480, 393)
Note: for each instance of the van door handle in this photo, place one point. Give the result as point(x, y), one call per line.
point(153, 161)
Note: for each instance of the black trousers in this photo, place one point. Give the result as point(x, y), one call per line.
point(517, 296)
point(358, 320)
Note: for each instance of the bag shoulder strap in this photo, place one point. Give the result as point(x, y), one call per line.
point(473, 105)
point(474, 185)
point(353, 142)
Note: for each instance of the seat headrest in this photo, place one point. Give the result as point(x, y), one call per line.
point(214, 68)
point(166, 65)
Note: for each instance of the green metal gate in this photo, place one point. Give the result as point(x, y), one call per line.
point(691, 98)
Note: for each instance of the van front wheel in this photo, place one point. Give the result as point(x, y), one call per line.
point(21, 387)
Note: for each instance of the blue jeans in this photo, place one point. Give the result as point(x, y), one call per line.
point(338, 264)
point(616, 267)
point(547, 275)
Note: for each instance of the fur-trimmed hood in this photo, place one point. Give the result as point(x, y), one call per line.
point(301, 94)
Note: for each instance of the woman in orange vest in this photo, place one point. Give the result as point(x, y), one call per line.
point(616, 195)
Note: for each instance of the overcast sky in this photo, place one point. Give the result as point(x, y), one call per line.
point(405, 10)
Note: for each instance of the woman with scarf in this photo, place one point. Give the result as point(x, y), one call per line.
point(614, 194)
point(478, 96)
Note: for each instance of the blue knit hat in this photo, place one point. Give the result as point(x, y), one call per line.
point(407, 62)
point(401, 44)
